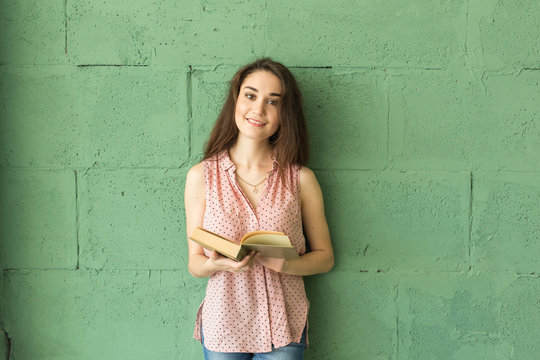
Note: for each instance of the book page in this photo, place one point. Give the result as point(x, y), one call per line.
point(267, 238)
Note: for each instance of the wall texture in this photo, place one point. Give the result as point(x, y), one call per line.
point(424, 120)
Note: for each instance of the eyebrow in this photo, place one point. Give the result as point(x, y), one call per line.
point(252, 88)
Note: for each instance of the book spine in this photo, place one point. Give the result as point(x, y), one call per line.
point(242, 253)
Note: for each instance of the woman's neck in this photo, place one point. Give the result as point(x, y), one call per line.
point(250, 154)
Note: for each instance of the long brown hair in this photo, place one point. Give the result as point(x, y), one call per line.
point(290, 142)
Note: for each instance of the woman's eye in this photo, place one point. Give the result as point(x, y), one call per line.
point(272, 102)
point(250, 96)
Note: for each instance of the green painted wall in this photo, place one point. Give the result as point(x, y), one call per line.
point(424, 120)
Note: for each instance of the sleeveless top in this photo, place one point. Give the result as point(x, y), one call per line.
point(252, 311)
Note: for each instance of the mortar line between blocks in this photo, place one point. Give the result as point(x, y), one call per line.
point(467, 31)
point(8, 349)
point(266, 30)
point(65, 28)
point(3, 291)
point(77, 225)
point(387, 85)
point(209, 67)
point(398, 272)
point(470, 249)
point(111, 65)
point(189, 102)
point(396, 300)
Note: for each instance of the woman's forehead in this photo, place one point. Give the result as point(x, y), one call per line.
point(263, 81)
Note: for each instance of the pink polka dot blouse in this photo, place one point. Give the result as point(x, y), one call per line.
point(253, 310)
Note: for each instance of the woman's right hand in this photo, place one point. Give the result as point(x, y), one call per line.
point(199, 264)
point(222, 263)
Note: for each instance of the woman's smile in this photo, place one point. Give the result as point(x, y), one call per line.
point(254, 122)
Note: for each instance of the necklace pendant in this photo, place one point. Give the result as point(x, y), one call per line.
point(255, 190)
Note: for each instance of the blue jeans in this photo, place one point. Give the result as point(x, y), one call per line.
point(293, 351)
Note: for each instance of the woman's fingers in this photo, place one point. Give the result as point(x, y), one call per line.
point(246, 263)
point(276, 264)
point(224, 263)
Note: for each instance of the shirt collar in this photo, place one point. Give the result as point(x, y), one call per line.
point(225, 161)
point(227, 164)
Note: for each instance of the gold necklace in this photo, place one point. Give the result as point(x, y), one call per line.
point(254, 186)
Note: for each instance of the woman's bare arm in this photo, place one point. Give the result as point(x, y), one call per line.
point(194, 200)
point(321, 257)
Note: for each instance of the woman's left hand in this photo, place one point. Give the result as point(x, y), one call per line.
point(272, 263)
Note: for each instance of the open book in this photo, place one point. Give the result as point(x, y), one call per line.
point(267, 243)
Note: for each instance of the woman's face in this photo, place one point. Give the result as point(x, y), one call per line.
point(257, 107)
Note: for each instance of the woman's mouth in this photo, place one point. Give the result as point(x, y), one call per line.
point(255, 122)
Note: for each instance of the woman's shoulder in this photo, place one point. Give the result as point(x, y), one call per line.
point(306, 174)
point(195, 174)
point(308, 180)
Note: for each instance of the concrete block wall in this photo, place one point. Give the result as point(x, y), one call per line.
point(424, 123)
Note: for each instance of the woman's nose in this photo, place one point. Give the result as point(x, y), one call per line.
point(259, 106)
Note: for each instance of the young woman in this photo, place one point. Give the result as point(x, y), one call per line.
point(253, 178)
